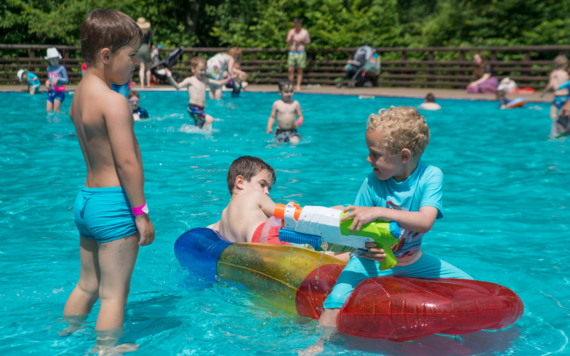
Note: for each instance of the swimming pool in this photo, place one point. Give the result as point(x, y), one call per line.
point(506, 220)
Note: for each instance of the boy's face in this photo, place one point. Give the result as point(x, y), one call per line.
point(54, 61)
point(386, 164)
point(121, 63)
point(262, 181)
point(134, 101)
point(286, 93)
point(199, 71)
point(25, 77)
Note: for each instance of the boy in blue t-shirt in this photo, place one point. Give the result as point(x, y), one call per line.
point(401, 188)
point(30, 78)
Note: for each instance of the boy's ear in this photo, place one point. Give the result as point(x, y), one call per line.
point(239, 183)
point(105, 55)
point(405, 155)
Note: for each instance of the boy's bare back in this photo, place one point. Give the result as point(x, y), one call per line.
point(286, 113)
point(243, 215)
point(104, 124)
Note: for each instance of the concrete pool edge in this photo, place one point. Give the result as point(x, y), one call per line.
point(412, 93)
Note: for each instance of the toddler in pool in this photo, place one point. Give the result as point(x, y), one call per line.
point(57, 76)
point(138, 112)
point(110, 211)
point(31, 79)
point(286, 109)
point(243, 220)
point(401, 188)
point(197, 91)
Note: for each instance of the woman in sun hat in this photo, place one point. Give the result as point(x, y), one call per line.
point(144, 51)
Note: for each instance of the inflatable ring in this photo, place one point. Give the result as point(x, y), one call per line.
point(399, 309)
point(516, 103)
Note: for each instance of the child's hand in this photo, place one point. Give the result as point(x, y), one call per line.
point(377, 254)
point(269, 130)
point(145, 228)
point(48, 84)
point(54, 81)
point(168, 72)
point(362, 215)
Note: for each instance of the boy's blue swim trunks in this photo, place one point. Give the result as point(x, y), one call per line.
point(104, 214)
point(59, 95)
point(360, 268)
point(197, 113)
point(559, 101)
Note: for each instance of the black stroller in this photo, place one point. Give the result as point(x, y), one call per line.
point(363, 70)
point(168, 62)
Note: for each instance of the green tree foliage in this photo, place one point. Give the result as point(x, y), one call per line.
point(332, 23)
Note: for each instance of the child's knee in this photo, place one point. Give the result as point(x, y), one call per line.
point(209, 119)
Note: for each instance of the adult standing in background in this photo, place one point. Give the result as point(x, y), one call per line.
point(144, 51)
point(297, 38)
point(486, 83)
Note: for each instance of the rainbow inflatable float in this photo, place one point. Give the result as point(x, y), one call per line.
point(298, 280)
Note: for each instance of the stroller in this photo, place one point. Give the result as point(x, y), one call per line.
point(170, 60)
point(363, 70)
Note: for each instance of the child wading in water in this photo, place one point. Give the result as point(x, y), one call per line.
point(31, 79)
point(286, 110)
point(110, 211)
point(57, 75)
point(558, 77)
point(197, 91)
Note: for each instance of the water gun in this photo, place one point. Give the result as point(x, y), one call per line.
point(314, 225)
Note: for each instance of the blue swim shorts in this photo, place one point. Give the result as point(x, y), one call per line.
point(359, 269)
point(104, 214)
point(53, 95)
point(197, 113)
point(559, 101)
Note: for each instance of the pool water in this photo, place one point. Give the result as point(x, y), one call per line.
point(506, 220)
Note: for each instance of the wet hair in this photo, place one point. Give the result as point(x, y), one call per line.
point(430, 98)
point(134, 93)
point(197, 60)
point(284, 83)
point(501, 94)
point(402, 127)
point(297, 20)
point(479, 69)
point(105, 28)
point(248, 167)
point(560, 62)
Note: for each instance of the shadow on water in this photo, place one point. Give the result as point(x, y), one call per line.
point(477, 343)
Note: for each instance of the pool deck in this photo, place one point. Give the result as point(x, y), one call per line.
point(384, 92)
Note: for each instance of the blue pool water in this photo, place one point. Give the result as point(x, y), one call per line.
point(506, 220)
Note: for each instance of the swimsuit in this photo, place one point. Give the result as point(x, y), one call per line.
point(197, 113)
point(217, 65)
point(33, 81)
point(57, 91)
point(282, 136)
point(297, 59)
point(559, 101)
point(143, 114)
point(104, 214)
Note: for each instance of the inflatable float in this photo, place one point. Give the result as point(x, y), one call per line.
point(299, 280)
point(516, 103)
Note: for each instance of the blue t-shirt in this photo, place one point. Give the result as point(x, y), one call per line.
point(33, 79)
point(143, 114)
point(423, 188)
point(60, 73)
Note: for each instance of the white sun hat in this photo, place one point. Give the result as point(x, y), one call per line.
point(52, 53)
point(20, 73)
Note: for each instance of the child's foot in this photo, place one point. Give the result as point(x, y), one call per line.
point(107, 340)
point(101, 350)
point(297, 88)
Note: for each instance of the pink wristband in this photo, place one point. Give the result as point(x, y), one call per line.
point(300, 122)
point(140, 210)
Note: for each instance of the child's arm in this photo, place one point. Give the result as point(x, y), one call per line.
point(63, 78)
point(266, 205)
point(271, 120)
point(218, 82)
point(183, 84)
point(299, 113)
point(417, 221)
point(127, 155)
point(550, 84)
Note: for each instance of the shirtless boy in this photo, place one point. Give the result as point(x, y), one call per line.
point(297, 38)
point(197, 91)
point(286, 110)
point(430, 103)
point(558, 77)
point(110, 211)
point(243, 220)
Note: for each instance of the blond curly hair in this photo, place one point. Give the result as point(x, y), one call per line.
point(402, 127)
